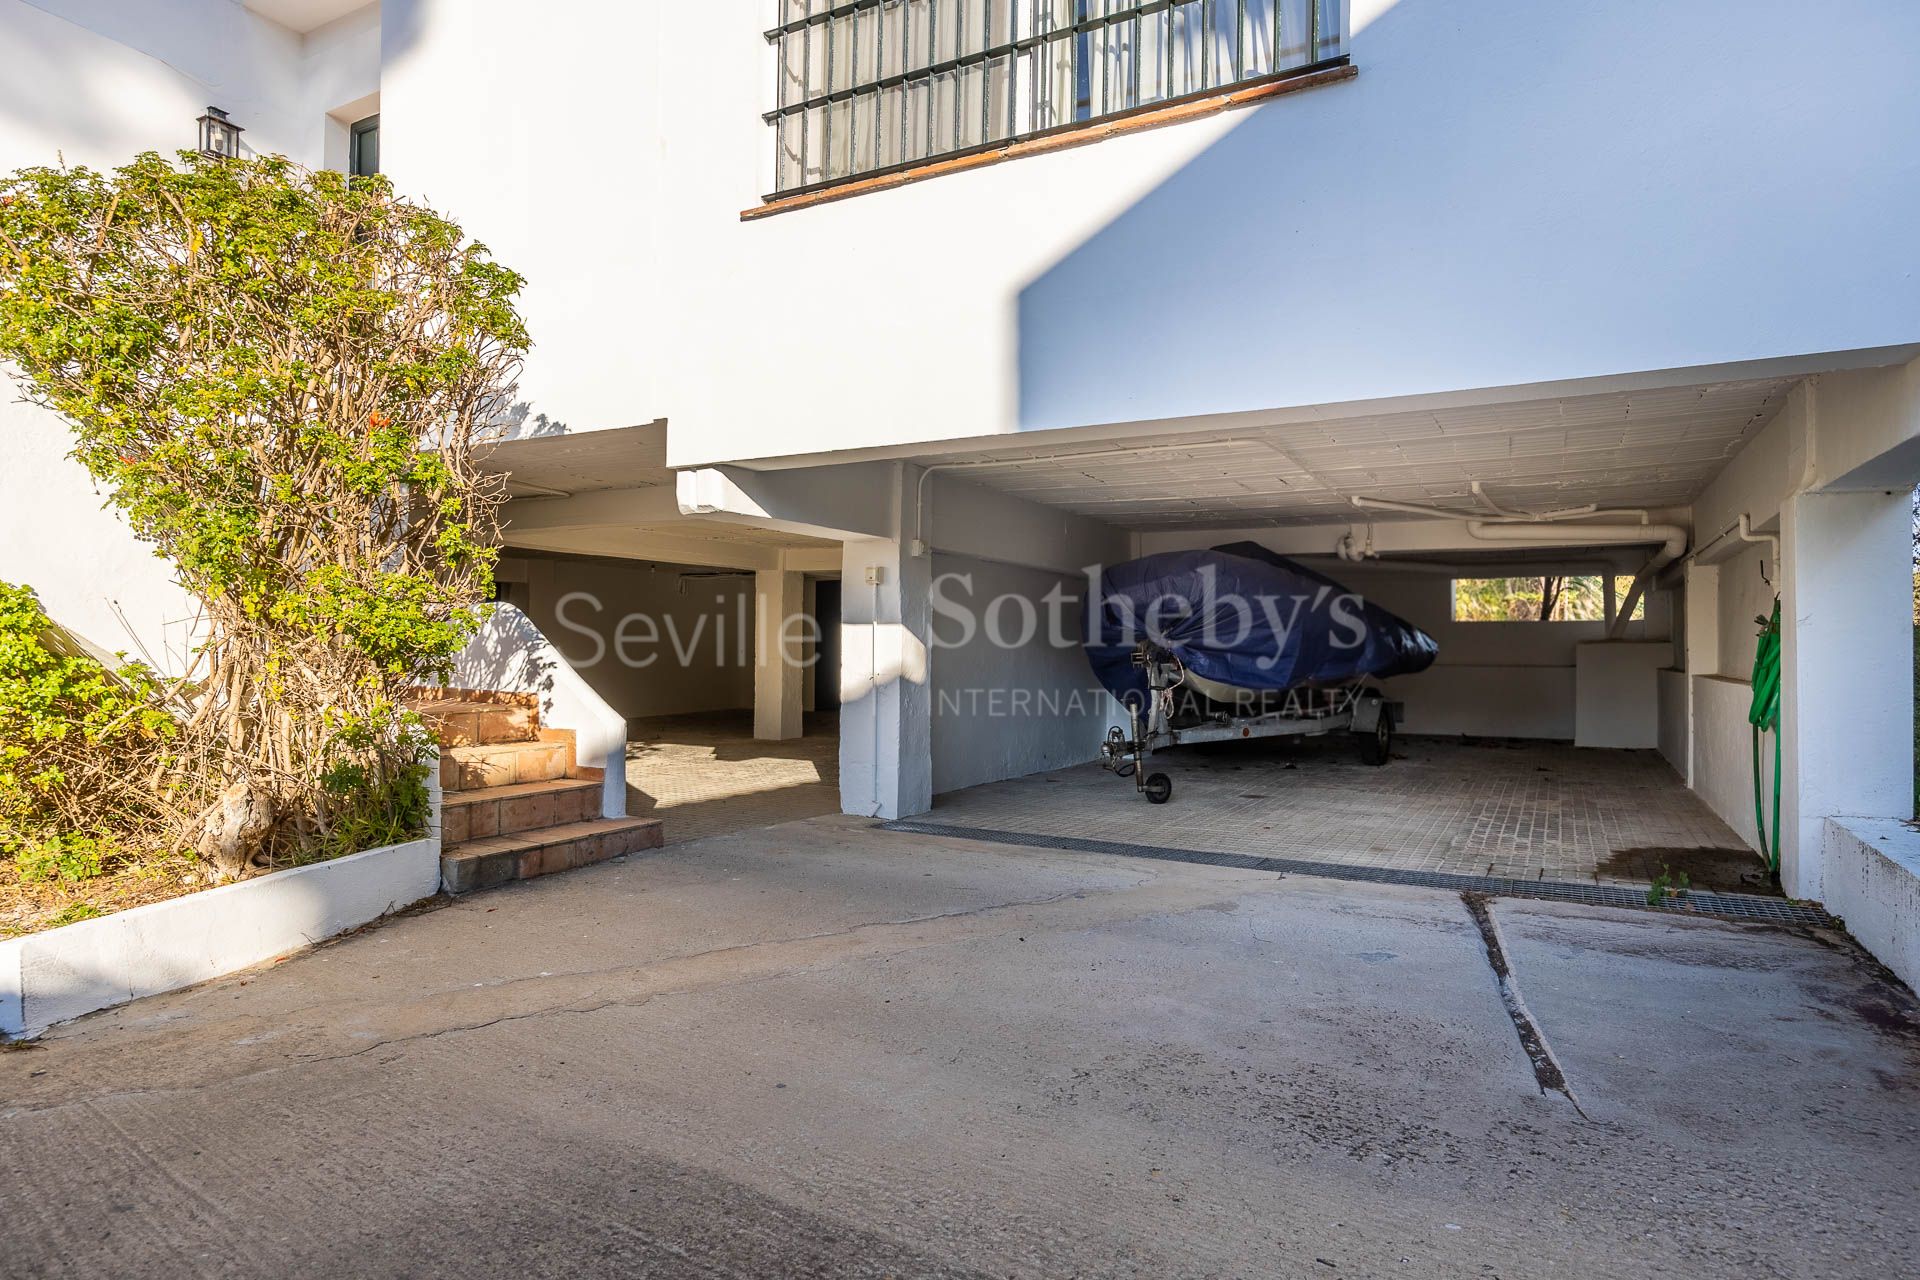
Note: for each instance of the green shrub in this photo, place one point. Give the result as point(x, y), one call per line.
point(81, 745)
point(378, 782)
point(61, 856)
point(283, 381)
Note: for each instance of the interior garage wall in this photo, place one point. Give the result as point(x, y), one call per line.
point(1723, 751)
point(1676, 745)
point(1722, 747)
point(1495, 679)
point(645, 646)
point(1004, 712)
point(1742, 586)
point(1745, 595)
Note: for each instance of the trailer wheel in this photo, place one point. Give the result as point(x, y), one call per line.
point(1376, 748)
point(1159, 788)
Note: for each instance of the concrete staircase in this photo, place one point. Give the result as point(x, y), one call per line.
point(517, 804)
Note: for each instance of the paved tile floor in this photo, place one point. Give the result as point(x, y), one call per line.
point(705, 775)
point(1529, 810)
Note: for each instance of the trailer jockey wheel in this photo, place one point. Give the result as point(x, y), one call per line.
point(1159, 788)
point(1377, 747)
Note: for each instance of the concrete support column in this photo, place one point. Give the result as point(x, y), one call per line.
point(778, 674)
point(1846, 670)
point(886, 752)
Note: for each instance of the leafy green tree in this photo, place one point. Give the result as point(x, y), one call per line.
point(1580, 598)
point(282, 379)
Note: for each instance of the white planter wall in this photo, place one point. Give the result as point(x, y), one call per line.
point(1872, 883)
point(62, 973)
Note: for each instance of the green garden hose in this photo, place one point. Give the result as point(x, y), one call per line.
point(1764, 716)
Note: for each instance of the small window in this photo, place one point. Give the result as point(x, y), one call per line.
point(363, 152)
point(1579, 598)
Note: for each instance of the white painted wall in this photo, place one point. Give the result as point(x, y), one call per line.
point(1746, 587)
point(1843, 578)
point(1492, 679)
point(1425, 207)
point(966, 518)
point(94, 82)
point(886, 705)
point(1873, 884)
point(1847, 670)
point(58, 974)
point(1002, 710)
point(540, 132)
point(642, 643)
point(1617, 694)
point(1724, 599)
point(340, 72)
point(1723, 754)
point(1426, 212)
point(512, 655)
point(1675, 712)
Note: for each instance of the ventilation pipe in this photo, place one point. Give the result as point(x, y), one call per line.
point(1588, 512)
point(1745, 530)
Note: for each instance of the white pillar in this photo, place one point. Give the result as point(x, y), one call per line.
point(778, 675)
point(886, 759)
point(1846, 670)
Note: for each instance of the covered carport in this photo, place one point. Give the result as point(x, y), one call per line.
point(1535, 748)
point(1608, 747)
point(704, 636)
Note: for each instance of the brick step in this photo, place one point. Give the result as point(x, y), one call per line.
point(482, 864)
point(503, 764)
point(517, 807)
point(466, 722)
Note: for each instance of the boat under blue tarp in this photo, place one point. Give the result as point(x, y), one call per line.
point(1242, 616)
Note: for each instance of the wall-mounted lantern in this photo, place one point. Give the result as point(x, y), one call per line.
point(219, 136)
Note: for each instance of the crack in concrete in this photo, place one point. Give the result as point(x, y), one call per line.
point(720, 968)
point(1533, 1041)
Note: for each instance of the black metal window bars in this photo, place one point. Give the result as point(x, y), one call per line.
point(870, 87)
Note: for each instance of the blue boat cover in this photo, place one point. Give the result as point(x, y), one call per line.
point(1244, 616)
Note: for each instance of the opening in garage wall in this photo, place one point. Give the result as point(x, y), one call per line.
point(652, 639)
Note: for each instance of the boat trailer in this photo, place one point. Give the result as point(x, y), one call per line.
point(1182, 708)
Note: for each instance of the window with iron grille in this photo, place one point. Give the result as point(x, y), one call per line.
point(868, 87)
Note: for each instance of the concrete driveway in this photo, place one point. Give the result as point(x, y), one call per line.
point(823, 1049)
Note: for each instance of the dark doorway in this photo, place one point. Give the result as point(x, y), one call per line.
point(826, 672)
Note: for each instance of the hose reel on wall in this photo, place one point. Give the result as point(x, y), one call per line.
point(1764, 716)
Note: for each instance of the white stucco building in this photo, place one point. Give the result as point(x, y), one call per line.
point(844, 293)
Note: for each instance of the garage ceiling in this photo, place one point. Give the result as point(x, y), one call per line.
point(745, 535)
point(1640, 449)
point(302, 16)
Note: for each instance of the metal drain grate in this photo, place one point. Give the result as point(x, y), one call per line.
point(1724, 906)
